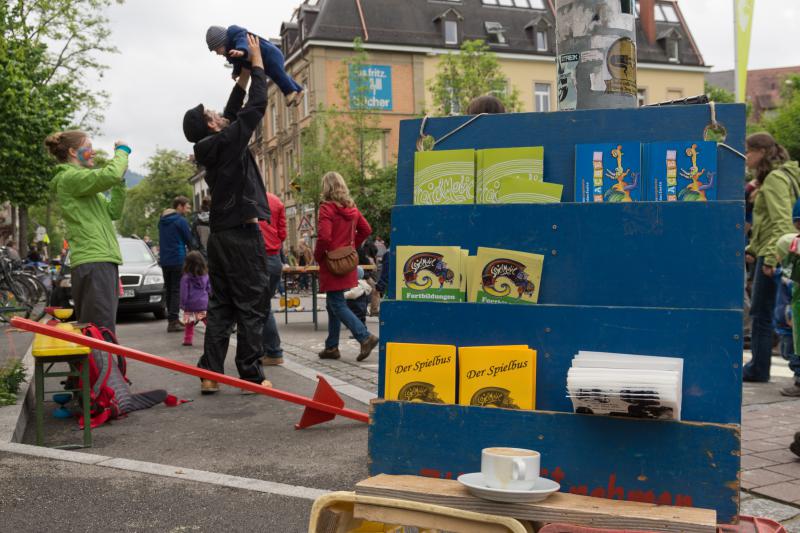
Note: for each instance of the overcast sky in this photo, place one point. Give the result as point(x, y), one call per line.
point(165, 67)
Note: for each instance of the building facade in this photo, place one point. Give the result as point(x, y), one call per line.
point(405, 42)
point(763, 87)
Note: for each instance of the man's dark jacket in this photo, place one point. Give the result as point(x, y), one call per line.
point(237, 189)
point(174, 237)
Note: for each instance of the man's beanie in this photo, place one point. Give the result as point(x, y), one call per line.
point(194, 124)
point(216, 36)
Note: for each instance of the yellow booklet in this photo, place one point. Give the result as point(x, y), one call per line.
point(420, 372)
point(505, 276)
point(497, 376)
point(429, 273)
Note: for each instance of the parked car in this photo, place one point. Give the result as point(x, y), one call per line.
point(141, 277)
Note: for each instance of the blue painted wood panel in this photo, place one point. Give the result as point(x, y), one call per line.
point(559, 132)
point(657, 461)
point(709, 342)
point(647, 254)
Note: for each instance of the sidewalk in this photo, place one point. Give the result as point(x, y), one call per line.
point(253, 437)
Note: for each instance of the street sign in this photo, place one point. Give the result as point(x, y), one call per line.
point(305, 224)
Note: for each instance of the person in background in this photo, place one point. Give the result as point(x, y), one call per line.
point(148, 241)
point(778, 190)
point(94, 250)
point(304, 258)
point(340, 224)
point(195, 290)
point(274, 233)
point(357, 297)
point(200, 226)
point(174, 237)
point(12, 252)
point(485, 104)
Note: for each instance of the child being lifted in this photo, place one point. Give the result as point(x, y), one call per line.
point(232, 43)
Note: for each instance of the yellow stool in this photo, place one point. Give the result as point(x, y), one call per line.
point(46, 352)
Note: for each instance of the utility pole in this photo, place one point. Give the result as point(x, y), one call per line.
point(596, 54)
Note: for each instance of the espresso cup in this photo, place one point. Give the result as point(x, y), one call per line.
point(510, 468)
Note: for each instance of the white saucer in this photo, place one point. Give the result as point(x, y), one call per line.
point(476, 485)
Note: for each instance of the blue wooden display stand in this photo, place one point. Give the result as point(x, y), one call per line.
point(648, 278)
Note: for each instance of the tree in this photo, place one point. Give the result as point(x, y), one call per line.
point(472, 72)
point(718, 94)
point(48, 53)
point(167, 175)
point(784, 124)
point(316, 158)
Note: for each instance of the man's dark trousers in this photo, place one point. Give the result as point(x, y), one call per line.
point(172, 290)
point(237, 268)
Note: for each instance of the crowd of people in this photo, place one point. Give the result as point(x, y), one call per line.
point(223, 268)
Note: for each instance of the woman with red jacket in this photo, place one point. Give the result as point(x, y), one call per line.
point(340, 224)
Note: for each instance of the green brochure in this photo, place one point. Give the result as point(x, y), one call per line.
point(444, 177)
point(513, 176)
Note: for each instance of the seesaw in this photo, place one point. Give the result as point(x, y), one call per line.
point(324, 406)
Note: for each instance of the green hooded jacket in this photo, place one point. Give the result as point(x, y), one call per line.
point(87, 212)
point(772, 211)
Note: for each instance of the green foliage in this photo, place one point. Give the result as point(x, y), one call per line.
point(784, 125)
point(316, 158)
point(377, 199)
point(472, 72)
point(167, 175)
point(12, 375)
point(718, 94)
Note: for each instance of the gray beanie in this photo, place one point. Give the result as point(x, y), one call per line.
point(216, 36)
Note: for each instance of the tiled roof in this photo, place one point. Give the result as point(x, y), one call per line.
point(414, 23)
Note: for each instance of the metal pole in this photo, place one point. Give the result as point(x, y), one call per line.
point(596, 54)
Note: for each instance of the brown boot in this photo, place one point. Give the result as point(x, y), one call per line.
point(208, 386)
point(330, 353)
point(174, 326)
point(366, 347)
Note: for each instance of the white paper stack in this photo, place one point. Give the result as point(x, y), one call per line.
point(640, 386)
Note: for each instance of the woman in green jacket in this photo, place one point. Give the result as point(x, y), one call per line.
point(94, 250)
point(778, 189)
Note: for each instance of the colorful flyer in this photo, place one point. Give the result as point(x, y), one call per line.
point(681, 171)
point(608, 172)
point(513, 176)
point(444, 177)
point(505, 276)
point(429, 273)
point(497, 376)
point(420, 372)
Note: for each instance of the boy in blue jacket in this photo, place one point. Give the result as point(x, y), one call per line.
point(232, 43)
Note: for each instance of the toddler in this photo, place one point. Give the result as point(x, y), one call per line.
point(195, 289)
point(232, 43)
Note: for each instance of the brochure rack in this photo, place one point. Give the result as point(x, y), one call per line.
point(644, 278)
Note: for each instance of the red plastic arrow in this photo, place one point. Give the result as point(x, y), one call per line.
point(325, 405)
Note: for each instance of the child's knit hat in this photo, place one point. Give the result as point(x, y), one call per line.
point(216, 36)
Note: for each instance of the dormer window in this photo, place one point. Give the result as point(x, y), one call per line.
point(450, 32)
point(538, 31)
point(449, 22)
point(496, 31)
point(525, 4)
point(670, 40)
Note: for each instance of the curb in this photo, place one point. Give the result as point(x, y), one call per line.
point(14, 418)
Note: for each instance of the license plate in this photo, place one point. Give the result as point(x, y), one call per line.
point(128, 293)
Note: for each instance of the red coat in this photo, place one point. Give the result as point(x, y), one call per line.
point(274, 231)
point(335, 230)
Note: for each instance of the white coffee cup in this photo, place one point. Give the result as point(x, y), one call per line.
point(510, 468)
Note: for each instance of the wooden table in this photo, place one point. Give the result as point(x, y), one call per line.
point(312, 271)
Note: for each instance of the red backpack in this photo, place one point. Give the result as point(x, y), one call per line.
point(104, 405)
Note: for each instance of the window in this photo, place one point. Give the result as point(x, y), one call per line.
point(508, 3)
point(660, 17)
point(274, 121)
point(275, 181)
point(541, 96)
point(496, 31)
point(669, 13)
point(642, 96)
point(672, 50)
point(454, 105)
point(305, 97)
point(541, 40)
point(450, 32)
point(627, 7)
point(636, 8)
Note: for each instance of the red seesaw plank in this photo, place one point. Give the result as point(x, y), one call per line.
point(313, 406)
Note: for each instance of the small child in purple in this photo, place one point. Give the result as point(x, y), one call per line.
point(195, 289)
point(232, 43)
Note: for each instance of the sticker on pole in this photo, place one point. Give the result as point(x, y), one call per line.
point(621, 62)
point(567, 85)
